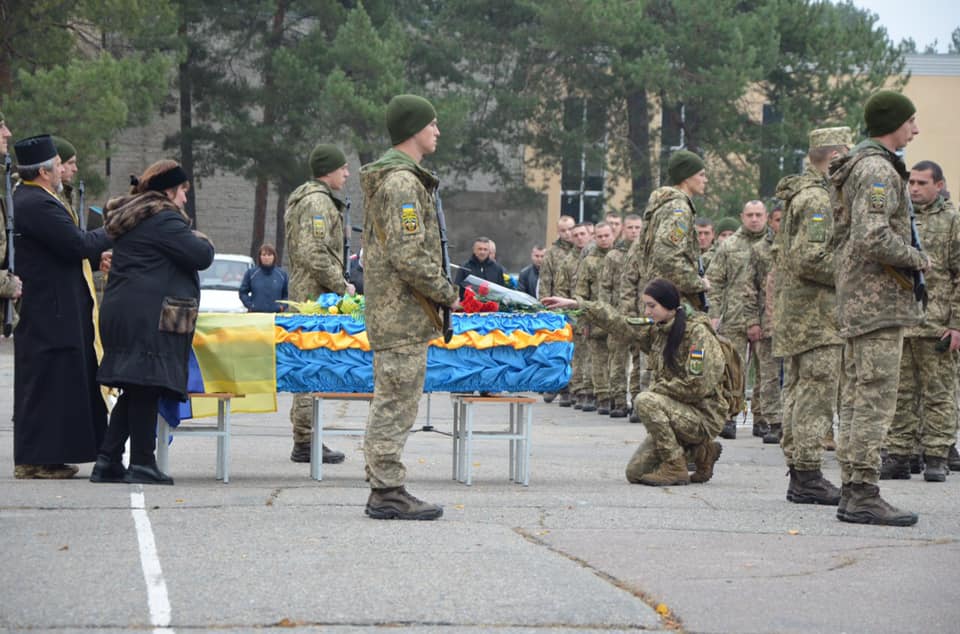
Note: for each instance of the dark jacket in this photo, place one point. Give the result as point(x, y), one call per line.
point(155, 256)
point(58, 410)
point(487, 270)
point(527, 280)
point(262, 287)
point(356, 274)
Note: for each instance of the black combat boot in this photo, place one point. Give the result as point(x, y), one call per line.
point(760, 429)
point(395, 503)
point(865, 506)
point(549, 396)
point(844, 499)
point(953, 458)
point(895, 467)
point(634, 417)
point(604, 407)
point(729, 430)
point(565, 399)
point(792, 487)
point(936, 469)
point(301, 453)
point(579, 401)
point(618, 411)
point(916, 463)
point(774, 435)
point(107, 470)
point(812, 488)
point(146, 474)
point(589, 403)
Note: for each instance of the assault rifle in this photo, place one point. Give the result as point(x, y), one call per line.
point(702, 295)
point(442, 223)
point(8, 176)
point(917, 280)
point(346, 238)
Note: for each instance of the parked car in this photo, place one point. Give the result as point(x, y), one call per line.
point(220, 284)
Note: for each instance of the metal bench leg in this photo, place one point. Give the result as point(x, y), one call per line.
point(456, 425)
point(225, 439)
point(513, 443)
point(316, 441)
point(527, 442)
point(469, 441)
point(163, 449)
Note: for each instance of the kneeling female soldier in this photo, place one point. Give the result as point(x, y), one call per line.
point(683, 409)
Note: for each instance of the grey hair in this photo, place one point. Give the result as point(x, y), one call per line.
point(30, 172)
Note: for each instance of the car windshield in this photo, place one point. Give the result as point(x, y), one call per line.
point(223, 275)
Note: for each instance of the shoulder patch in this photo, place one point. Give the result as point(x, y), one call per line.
point(319, 227)
point(816, 229)
point(678, 232)
point(409, 219)
point(878, 197)
point(695, 361)
point(678, 211)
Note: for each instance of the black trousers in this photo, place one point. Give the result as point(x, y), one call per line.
point(134, 416)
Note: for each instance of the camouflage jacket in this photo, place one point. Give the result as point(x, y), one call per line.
point(570, 268)
point(612, 271)
point(403, 262)
point(759, 288)
point(552, 282)
point(700, 359)
point(667, 248)
point(939, 229)
point(7, 284)
point(590, 281)
point(805, 301)
point(707, 256)
point(729, 275)
point(313, 223)
point(874, 259)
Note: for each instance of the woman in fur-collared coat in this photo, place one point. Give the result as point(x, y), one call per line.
point(148, 315)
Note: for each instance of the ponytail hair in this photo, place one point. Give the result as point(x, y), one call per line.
point(666, 294)
point(163, 175)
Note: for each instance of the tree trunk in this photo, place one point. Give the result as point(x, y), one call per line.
point(273, 42)
point(638, 131)
point(6, 58)
point(186, 121)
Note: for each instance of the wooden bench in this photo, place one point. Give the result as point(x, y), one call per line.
point(316, 441)
point(520, 425)
point(221, 432)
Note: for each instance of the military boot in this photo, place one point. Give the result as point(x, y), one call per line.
point(619, 410)
point(760, 429)
point(107, 470)
point(828, 442)
point(812, 488)
point(705, 455)
point(634, 417)
point(953, 458)
point(670, 473)
point(301, 453)
point(549, 396)
point(395, 503)
point(774, 435)
point(589, 403)
point(865, 506)
point(844, 499)
point(895, 467)
point(565, 399)
point(729, 430)
point(792, 486)
point(604, 407)
point(579, 400)
point(936, 469)
point(916, 463)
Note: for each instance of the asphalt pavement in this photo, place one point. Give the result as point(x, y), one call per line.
point(579, 550)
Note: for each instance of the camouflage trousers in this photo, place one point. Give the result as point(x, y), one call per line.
point(398, 376)
point(301, 416)
point(766, 401)
point(868, 401)
point(926, 416)
point(671, 426)
point(639, 375)
point(618, 356)
point(581, 381)
point(599, 367)
point(810, 387)
point(748, 352)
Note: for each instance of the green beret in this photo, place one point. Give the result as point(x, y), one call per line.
point(726, 224)
point(407, 115)
point(826, 137)
point(65, 148)
point(683, 164)
point(886, 111)
point(326, 158)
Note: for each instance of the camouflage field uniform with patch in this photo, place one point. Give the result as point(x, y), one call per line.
point(680, 409)
point(553, 282)
point(765, 403)
point(926, 415)
point(872, 237)
point(581, 382)
point(618, 347)
point(805, 313)
point(404, 282)
point(313, 226)
point(7, 284)
point(590, 287)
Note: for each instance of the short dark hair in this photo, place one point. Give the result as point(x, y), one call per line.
point(482, 239)
point(703, 221)
point(632, 217)
point(924, 166)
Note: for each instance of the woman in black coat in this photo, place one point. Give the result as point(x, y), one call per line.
point(148, 316)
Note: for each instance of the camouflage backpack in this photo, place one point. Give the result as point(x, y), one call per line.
point(733, 384)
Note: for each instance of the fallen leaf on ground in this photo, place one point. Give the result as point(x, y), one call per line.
point(662, 609)
point(64, 547)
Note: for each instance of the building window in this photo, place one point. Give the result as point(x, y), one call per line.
point(582, 170)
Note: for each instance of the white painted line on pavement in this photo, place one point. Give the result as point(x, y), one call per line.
point(156, 587)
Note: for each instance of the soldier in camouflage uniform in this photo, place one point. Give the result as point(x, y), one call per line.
point(313, 223)
point(875, 302)
point(705, 238)
point(926, 401)
point(590, 287)
point(684, 408)
point(405, 284)
point(10, 284)
point(553, 282)
point(581, 382)
point(620, 349)
point(804, 310)
point(729, 276)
